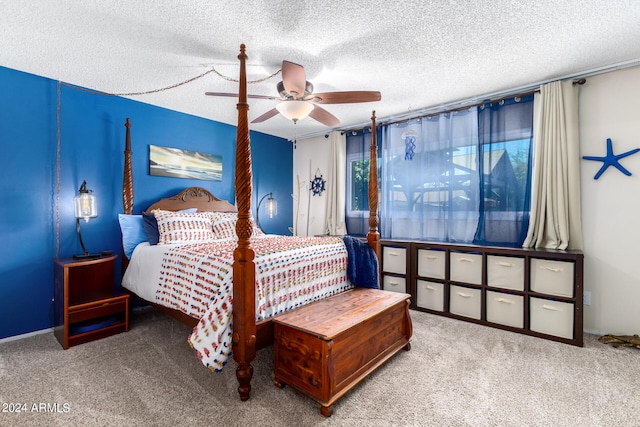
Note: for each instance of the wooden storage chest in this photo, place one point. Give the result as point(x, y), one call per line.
point(325, 348)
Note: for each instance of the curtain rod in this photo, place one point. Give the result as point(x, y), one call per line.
point(470, 102)
point(579, 82)
point(433, 111)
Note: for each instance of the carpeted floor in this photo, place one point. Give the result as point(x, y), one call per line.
point(456, 374)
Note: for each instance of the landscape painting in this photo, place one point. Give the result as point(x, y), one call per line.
point(177, 163)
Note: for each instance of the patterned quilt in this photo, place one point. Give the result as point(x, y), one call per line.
point(290, 271)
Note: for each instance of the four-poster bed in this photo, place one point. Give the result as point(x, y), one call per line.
point(248, 333)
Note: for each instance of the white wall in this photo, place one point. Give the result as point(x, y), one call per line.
point(609, 108)
point(309, 156)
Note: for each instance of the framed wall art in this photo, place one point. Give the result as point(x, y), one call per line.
point(178, 163)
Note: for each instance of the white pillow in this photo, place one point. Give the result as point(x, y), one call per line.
point(224, 225)
point(184, 227)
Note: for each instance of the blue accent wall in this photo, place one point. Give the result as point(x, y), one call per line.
point(92, 138)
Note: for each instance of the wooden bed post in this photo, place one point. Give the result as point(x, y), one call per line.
point(373, 237)
point(127, 177)
point(244, 300)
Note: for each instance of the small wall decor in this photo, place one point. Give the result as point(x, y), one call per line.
point(611, 160)
point(317, 184)
point(409, 138)
point(177, 163)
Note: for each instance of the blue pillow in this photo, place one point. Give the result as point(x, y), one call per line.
point(150, 226)
point(132, 232)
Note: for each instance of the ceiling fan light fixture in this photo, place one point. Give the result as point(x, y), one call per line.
point(295, 110)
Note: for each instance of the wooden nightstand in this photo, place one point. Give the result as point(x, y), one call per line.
point(87, 307)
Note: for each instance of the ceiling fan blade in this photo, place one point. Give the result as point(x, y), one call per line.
point(235, 95)
point(294, 79)
point(349, 97)
point(323, 116)
point(266, 116)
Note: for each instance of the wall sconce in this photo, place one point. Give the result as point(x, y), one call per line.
point(295, 110)
point(85, 208)
point(271, 208)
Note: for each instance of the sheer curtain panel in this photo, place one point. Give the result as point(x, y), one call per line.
point(429, 180)
point(505, 139)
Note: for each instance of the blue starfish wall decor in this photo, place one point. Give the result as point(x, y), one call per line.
point(611, 160)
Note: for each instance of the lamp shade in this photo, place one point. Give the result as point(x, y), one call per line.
point(272, 207)
point(295, 110)
point(85, 203)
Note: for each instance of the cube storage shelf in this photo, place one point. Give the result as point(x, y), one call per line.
point(533, 292)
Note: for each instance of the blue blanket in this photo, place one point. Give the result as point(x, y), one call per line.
point(362, 265)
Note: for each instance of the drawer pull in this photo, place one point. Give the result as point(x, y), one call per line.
point(504, 300)
point(465, 260)
point(549, 307)
point(504, 264)
point(431, 257)
point(393, 253)
point(431, 288)
point(463, 295)
point(394, 283)
point(555, 270)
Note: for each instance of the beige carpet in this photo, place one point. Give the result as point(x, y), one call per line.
point(456, 374)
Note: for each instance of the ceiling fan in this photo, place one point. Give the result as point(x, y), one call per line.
point(298, 100)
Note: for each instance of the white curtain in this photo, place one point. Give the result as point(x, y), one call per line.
point(336, 184)
point(555, 221)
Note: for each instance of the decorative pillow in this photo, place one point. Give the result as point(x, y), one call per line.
point(224, 225)
point(132, 232)
point(150, 226)
point(183, 227)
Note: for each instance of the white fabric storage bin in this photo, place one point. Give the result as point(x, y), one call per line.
point(551, 317)
point(394, 260)
point(465, 301)
point(465, 268)
point(394, 284)
point(505, 272)
point(431, 263)
point(552, 277)
point(430, 295)
point(505, 309)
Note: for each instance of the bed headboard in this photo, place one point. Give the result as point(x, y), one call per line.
point(193, 197)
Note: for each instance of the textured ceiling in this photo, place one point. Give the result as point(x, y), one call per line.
point(419, 54)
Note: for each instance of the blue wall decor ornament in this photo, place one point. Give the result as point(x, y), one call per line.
point(611, 160)
point(409, 138)
point(317, 184)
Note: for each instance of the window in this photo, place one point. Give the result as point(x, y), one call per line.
point(457, 177)
point(358, 188)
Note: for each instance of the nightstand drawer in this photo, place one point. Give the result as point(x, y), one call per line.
point(97, 309)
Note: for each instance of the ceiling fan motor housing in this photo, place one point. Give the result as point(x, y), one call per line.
point(308, 90)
